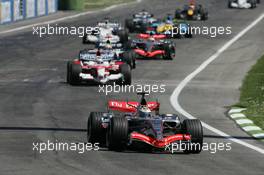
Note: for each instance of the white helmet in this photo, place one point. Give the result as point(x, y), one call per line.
point(151, 39)
point(144, 111)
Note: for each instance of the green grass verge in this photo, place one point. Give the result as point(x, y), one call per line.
point(96, 4)
point(252, 94)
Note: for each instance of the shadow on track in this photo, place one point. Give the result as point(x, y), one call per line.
point(10, 128)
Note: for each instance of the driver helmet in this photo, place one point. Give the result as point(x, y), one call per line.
point(151, 38)
point(108, 45)
point(192, 4)
point(144, 111)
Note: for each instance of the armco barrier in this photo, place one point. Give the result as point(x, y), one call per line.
point(15, 10)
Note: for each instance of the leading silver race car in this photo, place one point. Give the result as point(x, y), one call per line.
point(243, 4)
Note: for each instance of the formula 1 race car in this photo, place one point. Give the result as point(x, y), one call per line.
point(243, 4)
point(150, 46)
point(175, 30)
point(140, 22)
point(107, 31)
point(139, 126)
point(121, 51)
point(192, 12)
point(100, 66)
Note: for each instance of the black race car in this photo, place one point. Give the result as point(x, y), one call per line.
point(140, 126)
point(140, 22)
point(192, 12)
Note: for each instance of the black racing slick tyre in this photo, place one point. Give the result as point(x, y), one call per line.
point(177, 14)
point(130, 58)
point(74, 74)
point(229, 4)
point(117, 133)
point(68, 71)
point(84, 39)
point(129, 24)
point(195, 129)
point(253, 4)
point(95, 132)
point(125, 70)
point(204, 15)
point(123, 35)
point(168, 52)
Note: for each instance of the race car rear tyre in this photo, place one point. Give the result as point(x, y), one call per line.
point(125, 70)
point(129, 24)
point(178, 14)
point(123, 35)
point(69, 64)
point(95, 132)
point(130, 58)
point(117, 133)
point(84, 39)
point(74, 74)
point(204, 15)
point(253, 4)
point(229, 4)
point(195, 129)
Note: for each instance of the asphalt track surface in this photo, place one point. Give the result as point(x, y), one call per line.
point(37, 105)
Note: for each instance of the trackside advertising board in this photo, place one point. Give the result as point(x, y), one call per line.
point(15, 10)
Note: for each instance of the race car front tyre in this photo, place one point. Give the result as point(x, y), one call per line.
point(117, 133)
point(125, 70)
point(204, 14)
point(95, 132)
point(74, 74)
point(168, 52)
point(177, 14)
point(195, 129)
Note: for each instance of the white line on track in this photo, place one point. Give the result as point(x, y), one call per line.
point(174, 99)
point(65, 18)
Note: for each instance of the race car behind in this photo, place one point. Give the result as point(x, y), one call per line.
point(140, 22)
point(149, 46)
point(98, 66)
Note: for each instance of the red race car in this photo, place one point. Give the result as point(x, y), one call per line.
point(140, 126)
point(149, 46)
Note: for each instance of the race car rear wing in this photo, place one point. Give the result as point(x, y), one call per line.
point(155, 36)
point(131, 106)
